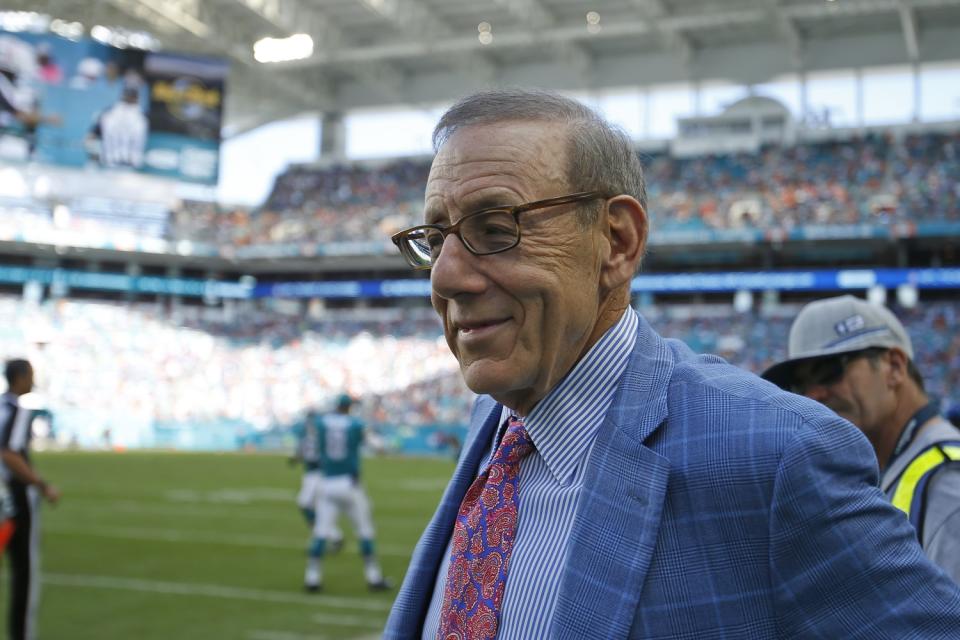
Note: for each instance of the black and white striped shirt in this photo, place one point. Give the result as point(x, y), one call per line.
point(14, 428)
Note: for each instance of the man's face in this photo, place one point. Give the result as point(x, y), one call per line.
point(516, 321)
point(859, 390)
point(24, 383)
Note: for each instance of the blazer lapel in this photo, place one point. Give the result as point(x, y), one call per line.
point(410, 607)
point(618, 515)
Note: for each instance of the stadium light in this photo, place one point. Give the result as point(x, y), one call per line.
point(29, 21)
point(485, 32)
point(61, 216)
point(124, 38)
point(296, 47)
point(907, 295)
point(877, 294)
point(593, 22)
point(65, 29)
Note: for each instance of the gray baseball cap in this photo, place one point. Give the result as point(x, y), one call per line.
point(838, 325)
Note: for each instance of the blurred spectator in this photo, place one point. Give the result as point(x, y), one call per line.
point(874, 180)
point(266, 369)
point(49, 71)
point(871, 180)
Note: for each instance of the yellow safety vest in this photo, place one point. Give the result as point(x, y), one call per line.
point(909, 494)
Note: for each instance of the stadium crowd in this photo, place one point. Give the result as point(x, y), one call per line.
point(128, 367)
point(877, 179)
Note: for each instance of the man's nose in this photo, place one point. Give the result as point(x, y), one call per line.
point(454, 270)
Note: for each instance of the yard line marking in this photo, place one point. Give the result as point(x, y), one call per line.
point(129, 506)
point(346, 620)
point(231, 495)
point(264, 634)
point(210, 590)
point(233, 512)
point(198, 537)
point(423, 484)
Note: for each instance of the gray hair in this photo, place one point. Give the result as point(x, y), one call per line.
point(600, 155)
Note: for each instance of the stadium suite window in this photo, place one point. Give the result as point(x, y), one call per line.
point(250, 162)
point(386, 133)
point(833, 94)
point(783, 89)
point(625, 108)
point(888, 95)
point(714, 97)
point(940, 91)
point(668, 103)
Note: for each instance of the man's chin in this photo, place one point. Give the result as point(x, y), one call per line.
point(489, 377)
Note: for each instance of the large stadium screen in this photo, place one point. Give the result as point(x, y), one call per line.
point(86, 104)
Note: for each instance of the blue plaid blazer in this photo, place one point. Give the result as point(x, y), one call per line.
point(717, 506)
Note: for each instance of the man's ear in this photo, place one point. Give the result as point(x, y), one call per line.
point(898, 366)
point(626, 230)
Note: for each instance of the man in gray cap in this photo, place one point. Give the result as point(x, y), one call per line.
point(857, 359)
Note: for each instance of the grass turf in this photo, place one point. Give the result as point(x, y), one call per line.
point(152, 545)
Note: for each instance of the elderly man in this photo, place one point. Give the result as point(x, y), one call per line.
point(856, 358)
point(613, 483)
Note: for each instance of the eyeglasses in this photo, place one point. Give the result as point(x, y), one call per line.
point(484, 232)
point(828, 370)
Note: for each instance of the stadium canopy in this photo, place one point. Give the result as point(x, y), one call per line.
point(417, 53)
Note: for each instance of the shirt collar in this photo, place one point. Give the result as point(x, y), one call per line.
point(564, 424)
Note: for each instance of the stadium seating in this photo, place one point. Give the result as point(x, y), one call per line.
point(141, 370)
point(875, 180)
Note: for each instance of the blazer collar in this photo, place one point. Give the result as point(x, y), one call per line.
point(618, 514)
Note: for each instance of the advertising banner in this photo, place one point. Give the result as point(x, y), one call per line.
point(86, 104)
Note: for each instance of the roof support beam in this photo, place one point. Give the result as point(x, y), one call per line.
point(536, 20)
point(910, 38)
point(658, 15)
point(414, 18)
point(293, 16)
point(789, 30)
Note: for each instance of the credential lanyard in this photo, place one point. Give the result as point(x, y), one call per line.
point(926, 412)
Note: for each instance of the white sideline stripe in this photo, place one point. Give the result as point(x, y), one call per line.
point(193, 537)
point(210, 590)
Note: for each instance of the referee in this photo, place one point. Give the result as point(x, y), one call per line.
point(26, 487)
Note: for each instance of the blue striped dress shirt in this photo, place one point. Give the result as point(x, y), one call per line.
point(563, 427)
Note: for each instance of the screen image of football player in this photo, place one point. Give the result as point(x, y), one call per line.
point(340, 437)
point(119, 136)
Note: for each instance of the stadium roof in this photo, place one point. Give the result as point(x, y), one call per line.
point(421, 52)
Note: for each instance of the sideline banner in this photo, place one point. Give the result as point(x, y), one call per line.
point(87, 104)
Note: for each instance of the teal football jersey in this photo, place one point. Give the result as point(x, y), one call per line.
point(340, 438)
point(308, 446)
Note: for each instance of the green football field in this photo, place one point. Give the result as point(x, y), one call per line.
point(182, 546)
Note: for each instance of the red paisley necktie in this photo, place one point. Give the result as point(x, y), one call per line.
point(482, 540)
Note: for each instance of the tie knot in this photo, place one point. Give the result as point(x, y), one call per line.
point(516, 443)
